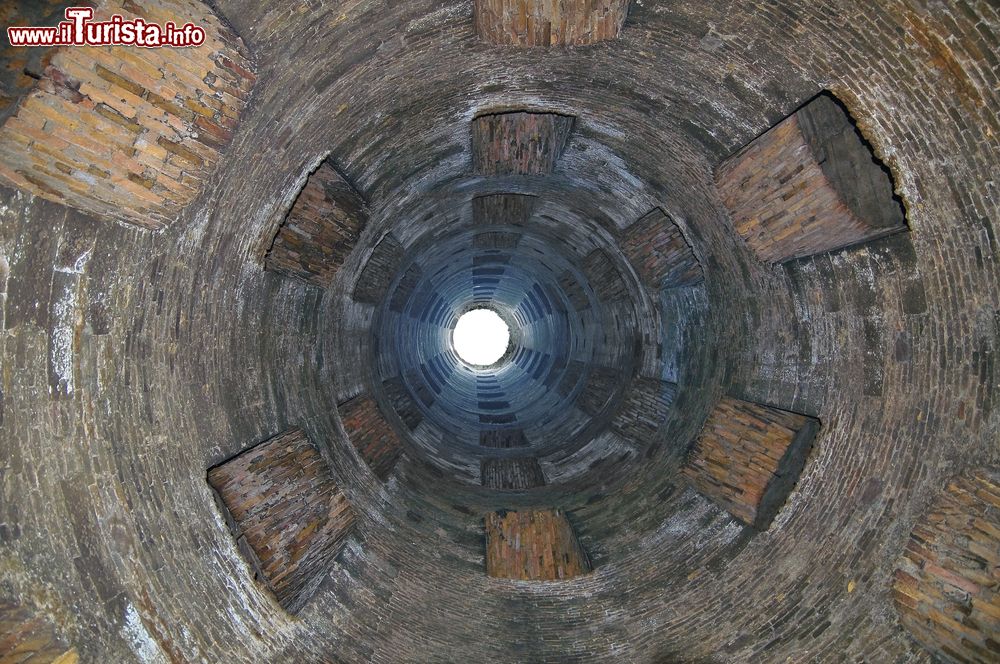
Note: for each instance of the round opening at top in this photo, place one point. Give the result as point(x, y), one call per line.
point(481, 337)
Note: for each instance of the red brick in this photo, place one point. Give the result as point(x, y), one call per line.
point(320, 230)
point(536, 545)
point(371, 434)
point(289, 517)
point(747, 458)
point(549, 22)
point(945, 584)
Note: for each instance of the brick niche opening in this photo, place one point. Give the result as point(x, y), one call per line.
point(946, 586)
point(511, 473)
point(659, 252)
point(748, 458)
point(519, 142)
point(320, 230)
point(371, 434)
point(809, 185)
point(549, 22)
point(289, 518)
point(534, 545)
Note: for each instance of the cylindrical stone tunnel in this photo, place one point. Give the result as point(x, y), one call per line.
point(743, 260)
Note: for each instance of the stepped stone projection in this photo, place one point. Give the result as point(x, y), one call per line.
point(748, 457)
point(126, 133)
point(537, 545)
point(945, 584)
point(518, 142)
point(320, 230)
point(549, 22)
point(132, 361)
point(598, 390)
point(402, 402)
point(289, 518)
point(808, 185)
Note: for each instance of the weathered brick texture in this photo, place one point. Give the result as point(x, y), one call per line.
point(503, 438)
point(495, 239)
point(807, 186)
point(28, 637)
point(289, 517)
point(574, 291)
point(130, 133)
point(644, 409)
point(320, 230)
point(23, 67)
point(748, 457)
point(407, 285)
point(571, 377)
point(372, 436)
point(534, 545)
point(404, 405)
point(549, 22)
point(511, 473)
point(600, 387)
point(503, 209)
point(518, 142)
point(659, 253)
point(604, 275)
point(500, 210)
point(376, 276)
point(946, 583)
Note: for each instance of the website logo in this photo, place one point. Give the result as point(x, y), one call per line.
point(80, 30)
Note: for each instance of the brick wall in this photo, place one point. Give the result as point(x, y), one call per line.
point(502, 210)
point(605, 277)
point(535, 545)
point(320, 230)
point(644, 409)
point(183, 348)
point(808, 185)
point(289, 517)
point(404, 405)
point(511, 473)
point(130, 133)
point(748, 457)
point(503, 438)
point(574, 291)
point(377, 274)
point(518, 142)
point(570, 378)
point(372, 436)
point(405, 288)
point(945, 585)
point(28, 637)
point(22, 67)
point(659, 253)
point(549, 22)
point(600, 387)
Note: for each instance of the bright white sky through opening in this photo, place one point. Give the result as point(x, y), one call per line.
point(481, 337)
